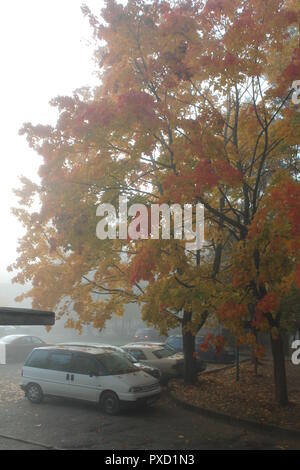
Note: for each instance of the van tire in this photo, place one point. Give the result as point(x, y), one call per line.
point(34, 393)
point(110, 403)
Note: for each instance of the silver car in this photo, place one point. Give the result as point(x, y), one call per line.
point(157, 355)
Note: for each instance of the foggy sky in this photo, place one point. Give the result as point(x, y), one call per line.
point(46, 50)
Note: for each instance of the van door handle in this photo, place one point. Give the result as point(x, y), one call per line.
point(68, 377)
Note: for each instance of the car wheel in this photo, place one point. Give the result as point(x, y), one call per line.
point(34, 393)
point(110, 403)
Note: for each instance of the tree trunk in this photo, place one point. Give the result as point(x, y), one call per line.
point(281, 393)
point(237, 363)
point(255, 363)
point(255, 360)
point(190, 369)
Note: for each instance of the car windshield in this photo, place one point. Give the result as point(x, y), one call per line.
point(166, 351)
point(130, 357)
point(126, 354)
point(116, 363)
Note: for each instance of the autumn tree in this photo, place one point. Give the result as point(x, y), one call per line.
point(193, 106)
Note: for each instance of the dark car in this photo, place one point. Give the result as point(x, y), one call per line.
point(17, 347)
point(226, 356)
point(148, 335)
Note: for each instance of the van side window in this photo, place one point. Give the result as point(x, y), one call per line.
point(38, 359)
point(85, 365)
point(60, 361)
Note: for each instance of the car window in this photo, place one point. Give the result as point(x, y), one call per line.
point(138, 354)
point(82, 364)
point(38, 359)
point(164, 352)
point(130, 357)
point(115, 363)
point(60, 361)
point(36, 340)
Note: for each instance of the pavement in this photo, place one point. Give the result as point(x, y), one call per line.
point(66, 424)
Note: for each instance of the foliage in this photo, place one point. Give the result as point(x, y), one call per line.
point(193, 105)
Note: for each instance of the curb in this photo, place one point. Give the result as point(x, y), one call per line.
point(224, 367)
point(234, 420)
point(33, 443)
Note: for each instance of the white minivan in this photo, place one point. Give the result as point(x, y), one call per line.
point(98, 375)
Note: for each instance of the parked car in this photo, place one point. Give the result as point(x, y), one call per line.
point(154, 371)
point(226, 356)
point(160, 355)
point(17, 347)
point(92, 374)
point(148, 334)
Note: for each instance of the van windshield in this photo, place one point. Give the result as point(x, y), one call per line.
point(115, 363)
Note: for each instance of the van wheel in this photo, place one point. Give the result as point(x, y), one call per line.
point(110, 403)
point(34, 393)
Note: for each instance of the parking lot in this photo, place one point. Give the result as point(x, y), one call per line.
point(65, 424)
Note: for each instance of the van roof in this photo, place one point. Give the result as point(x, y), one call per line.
point(105, 347)
point(90, 345)
point(143, 345)
point(85, 349)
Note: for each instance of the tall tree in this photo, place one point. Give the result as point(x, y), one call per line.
point(193, 106)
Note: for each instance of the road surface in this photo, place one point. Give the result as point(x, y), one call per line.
point(65, 424)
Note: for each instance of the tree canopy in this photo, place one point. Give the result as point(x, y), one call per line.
point(194, 105)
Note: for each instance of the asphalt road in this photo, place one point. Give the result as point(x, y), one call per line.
point(65, 424)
